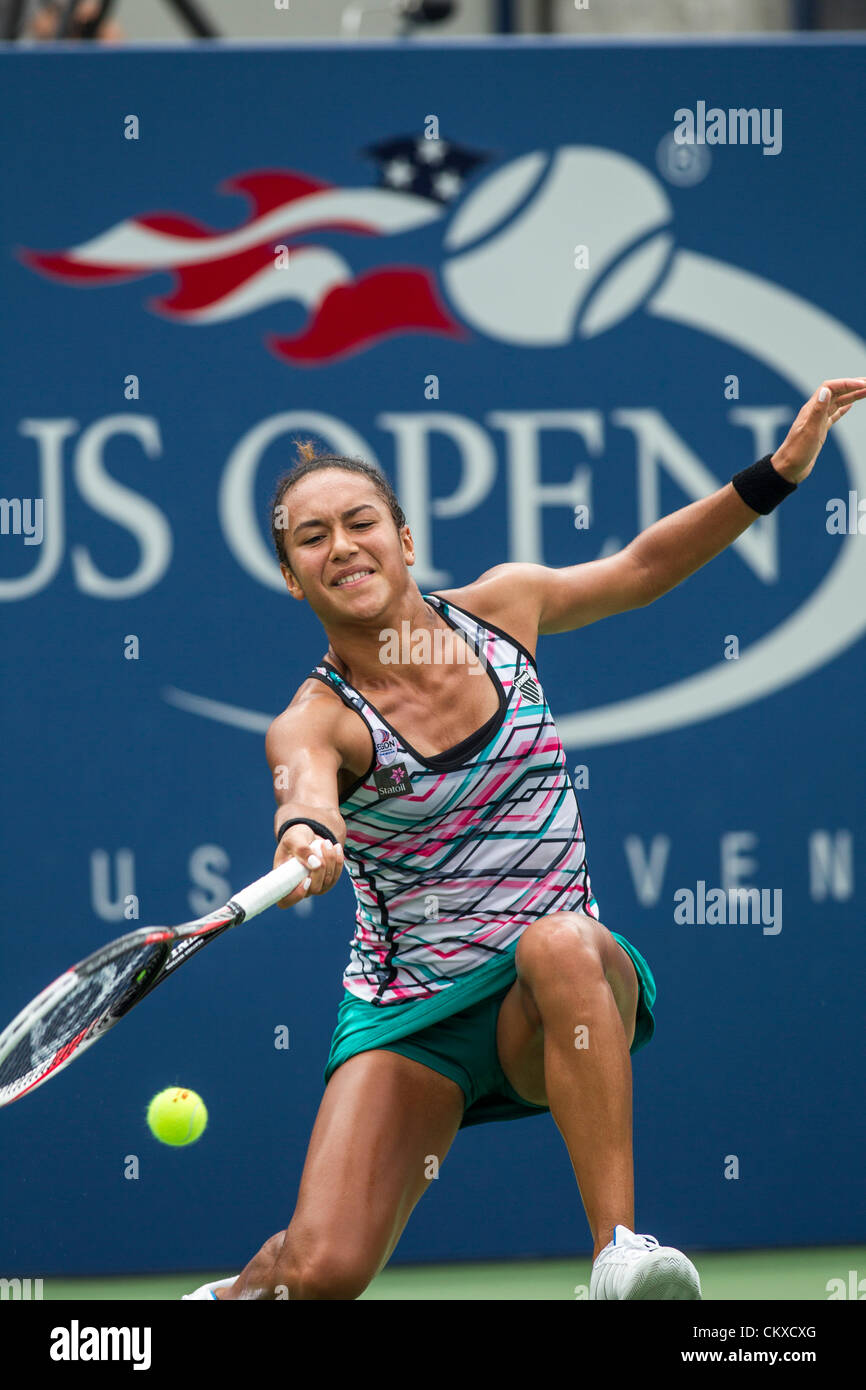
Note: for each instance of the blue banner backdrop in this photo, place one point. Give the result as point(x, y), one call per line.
point(553, 306)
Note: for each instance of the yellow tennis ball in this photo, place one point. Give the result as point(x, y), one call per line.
point(177, 1116)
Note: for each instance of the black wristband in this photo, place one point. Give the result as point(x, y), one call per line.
point(313, 824)
point(762, 487)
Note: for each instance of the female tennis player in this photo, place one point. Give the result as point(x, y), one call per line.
point(421, 754)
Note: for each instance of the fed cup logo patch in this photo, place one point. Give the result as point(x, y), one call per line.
point(390, 778)
point(387, 747)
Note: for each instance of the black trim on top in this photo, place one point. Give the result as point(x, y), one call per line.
point(586, 891)
point(359, 781)
point(391, 968)
point(484, 622)
point(452, 757)
point(469, 746)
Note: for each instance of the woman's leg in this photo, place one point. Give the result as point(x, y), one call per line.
point(563, 1036)
point(382, 1118)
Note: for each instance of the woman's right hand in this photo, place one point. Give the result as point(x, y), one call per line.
point(323, 860)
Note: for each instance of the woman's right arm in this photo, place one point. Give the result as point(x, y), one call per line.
point(305, 762)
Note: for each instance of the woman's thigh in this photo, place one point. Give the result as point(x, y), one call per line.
point(520, 1033)
point(384, 1126)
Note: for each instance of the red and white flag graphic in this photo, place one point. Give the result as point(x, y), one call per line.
point(222, 275)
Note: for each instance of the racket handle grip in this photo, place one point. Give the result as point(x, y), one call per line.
point(266, 891)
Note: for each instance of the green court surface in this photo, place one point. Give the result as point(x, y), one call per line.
point(741, 1275)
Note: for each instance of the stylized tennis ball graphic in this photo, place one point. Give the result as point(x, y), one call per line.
point(514, 275)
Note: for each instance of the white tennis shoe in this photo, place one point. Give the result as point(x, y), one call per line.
point(207, 1290)
point(633, 1266)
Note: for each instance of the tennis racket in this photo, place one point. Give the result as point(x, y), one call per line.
point(83, 1003)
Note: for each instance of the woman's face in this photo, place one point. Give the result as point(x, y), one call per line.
point(336, 523)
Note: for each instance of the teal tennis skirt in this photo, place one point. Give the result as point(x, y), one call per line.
point(454, 1032)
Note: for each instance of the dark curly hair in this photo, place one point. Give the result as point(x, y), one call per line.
point(308, 461)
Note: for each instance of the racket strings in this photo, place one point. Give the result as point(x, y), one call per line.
point(63, 1027)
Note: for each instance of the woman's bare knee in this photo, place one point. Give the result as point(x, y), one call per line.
point(329, 1273)
point(379, 1118)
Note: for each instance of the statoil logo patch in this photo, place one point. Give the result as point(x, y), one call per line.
point(393, 781)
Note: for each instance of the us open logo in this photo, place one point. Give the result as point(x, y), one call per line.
point(506, 229)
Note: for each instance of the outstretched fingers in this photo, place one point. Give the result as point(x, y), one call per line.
point(841, 395)
point(842, 392)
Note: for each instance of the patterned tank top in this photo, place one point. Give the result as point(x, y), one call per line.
point(452, 856)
